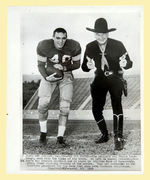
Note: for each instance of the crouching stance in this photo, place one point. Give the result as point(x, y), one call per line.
point(108, 57)
point(57, 58)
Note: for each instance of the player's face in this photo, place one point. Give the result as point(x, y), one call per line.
point(101, 38)
point(59, 39)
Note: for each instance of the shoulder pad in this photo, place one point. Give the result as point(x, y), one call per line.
point(44, 46)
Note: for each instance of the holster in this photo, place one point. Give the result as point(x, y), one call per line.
point(125, 86)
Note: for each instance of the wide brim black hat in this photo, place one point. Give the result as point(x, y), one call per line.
point(101, 26)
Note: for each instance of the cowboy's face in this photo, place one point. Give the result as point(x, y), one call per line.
point(101, 38)
point(59, 39)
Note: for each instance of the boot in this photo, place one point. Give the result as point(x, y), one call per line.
point(103, 128)
point(115, 125)
point(119, 143)
point(120, 126)
point(118, 131)
point(104, 138)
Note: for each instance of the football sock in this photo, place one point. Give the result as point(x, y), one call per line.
point(61, 131)
point(43, 126)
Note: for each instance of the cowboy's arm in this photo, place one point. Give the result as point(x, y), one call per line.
point(124, 59)
point(88, 63)
point(85, 60)
point(129, 63)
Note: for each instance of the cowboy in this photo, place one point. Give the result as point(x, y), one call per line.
point(108, 57)
point(57, 58)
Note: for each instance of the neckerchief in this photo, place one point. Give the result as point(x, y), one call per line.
point(104, 63)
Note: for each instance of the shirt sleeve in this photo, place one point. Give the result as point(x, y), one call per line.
point(77, 57)
point(41, 61)
point(42, 70)
point(41, 58)
point(123, 54)
point(39, 49)
point(77, 52)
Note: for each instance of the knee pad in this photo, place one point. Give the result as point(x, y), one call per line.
point(43, 104)
point(64, 107)
point(43, 116)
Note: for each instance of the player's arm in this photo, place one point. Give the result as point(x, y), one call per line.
point(49, 73)
point(41, 65)
point(41, 60)
point(75, 63)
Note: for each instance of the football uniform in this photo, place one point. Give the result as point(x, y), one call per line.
point(69, 57)
point(48, 54)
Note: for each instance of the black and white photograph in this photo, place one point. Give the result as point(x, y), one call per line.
point(75, 103)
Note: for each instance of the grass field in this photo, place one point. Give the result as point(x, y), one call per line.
point(80, 136)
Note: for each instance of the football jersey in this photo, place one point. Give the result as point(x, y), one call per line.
point(70, 51)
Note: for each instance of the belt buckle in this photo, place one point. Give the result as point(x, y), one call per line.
point(108, 73)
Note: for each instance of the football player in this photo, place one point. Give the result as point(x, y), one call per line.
point(57, 58)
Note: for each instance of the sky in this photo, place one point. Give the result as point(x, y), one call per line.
point(37, 24)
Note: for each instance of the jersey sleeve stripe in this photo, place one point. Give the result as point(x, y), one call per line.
point(41, 58)
point(76, 58)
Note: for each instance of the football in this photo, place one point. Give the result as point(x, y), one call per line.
point(51, 70)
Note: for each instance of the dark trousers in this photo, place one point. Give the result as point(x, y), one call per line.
point(99, 89)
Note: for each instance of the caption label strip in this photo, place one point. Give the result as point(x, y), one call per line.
point(81, 163)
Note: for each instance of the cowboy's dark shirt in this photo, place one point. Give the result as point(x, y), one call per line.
point(113, 51)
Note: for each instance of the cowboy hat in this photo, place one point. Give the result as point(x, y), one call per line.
point(101, 26)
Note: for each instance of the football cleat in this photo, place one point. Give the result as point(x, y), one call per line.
point(43, 139)
point(61, 142)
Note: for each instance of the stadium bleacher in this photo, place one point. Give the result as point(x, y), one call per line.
point(82, 99)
